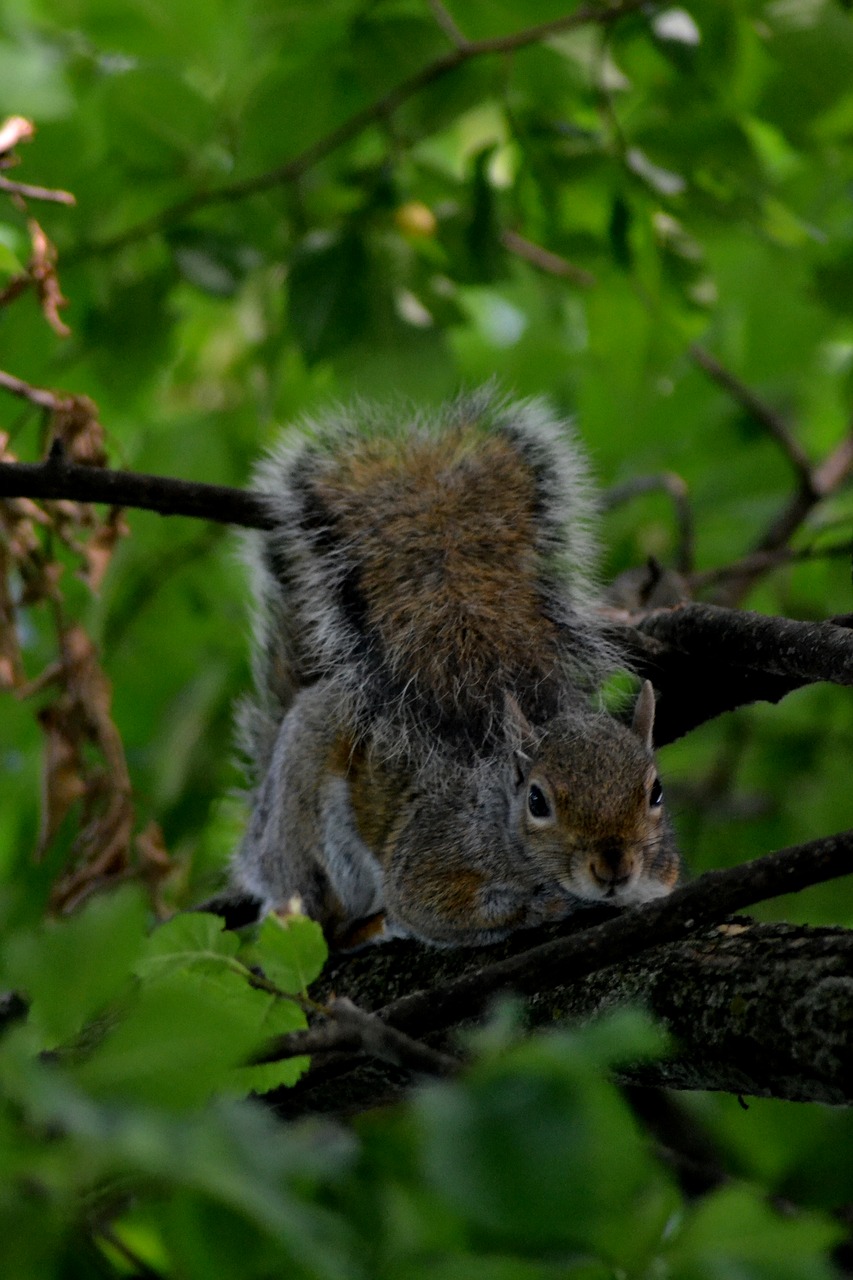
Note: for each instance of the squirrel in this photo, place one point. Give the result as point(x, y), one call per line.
point(424, 757)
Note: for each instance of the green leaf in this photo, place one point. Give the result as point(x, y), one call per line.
point(539, 1150)
point(10, 264)
point(483, 231)
point(291, 950)
point(281, 1017)
point(735, 1231)
point(180, 1041)
point(194, 938)
point(329, 295)
point(72, 969)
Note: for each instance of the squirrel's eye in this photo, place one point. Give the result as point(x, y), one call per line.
point(536, 803)
point(656, 797)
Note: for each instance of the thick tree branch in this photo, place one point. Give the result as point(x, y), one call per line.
point(760, 1009)
point(713, 896)
point(743, 657)
point(453, 987)
point(807, 651)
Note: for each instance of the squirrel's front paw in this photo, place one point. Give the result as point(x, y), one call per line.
point(550, 902)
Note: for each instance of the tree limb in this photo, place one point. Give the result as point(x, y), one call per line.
point(434, 991)
point(59, 478)
point(761, 1009)
point(743, 657)
point(27, 191)
point(772, 422)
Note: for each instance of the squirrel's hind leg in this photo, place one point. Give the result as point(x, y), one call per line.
point(302, 840)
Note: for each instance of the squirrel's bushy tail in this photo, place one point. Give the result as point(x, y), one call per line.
point(432, 561)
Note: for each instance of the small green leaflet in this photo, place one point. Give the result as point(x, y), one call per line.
point(291, 950)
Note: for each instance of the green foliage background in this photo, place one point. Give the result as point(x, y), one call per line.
point(695, 166)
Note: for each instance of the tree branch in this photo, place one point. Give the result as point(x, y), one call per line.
point(743, 657)
point(29, 192)
point(772, 422)
point(460, 984)
point(806, 651)
point(824, 479)
point(58, 478)
point(762, 562)
point(41, 397)
point(752, 1008)
point(713, 896)
point(551, 263)
point(675, 487)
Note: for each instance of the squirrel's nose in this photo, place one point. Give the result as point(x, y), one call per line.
point(610, 865)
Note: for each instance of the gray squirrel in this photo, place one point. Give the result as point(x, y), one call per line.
point(425, 759)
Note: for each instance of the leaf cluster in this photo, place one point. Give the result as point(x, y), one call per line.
point(127, 1150)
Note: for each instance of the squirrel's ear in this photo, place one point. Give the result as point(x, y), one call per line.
point(520, 736)
point(519, 731)
point(644, 714)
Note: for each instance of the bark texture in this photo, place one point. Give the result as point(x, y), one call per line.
point(760, 1009)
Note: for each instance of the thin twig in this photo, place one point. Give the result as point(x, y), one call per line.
point(374, 112)
point(359, 1030)
point(42, 397)
point(448, 25)
point(826, 478)
point(676, 487)
point(773, 423)
point(815, 482)
point(551, 263)
point(61, 479)
point(16, 286)
point(761, 562)
point(29, 192)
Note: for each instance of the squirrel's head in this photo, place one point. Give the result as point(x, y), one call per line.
point(588, 803)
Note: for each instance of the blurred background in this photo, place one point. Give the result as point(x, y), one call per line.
point(643, 213)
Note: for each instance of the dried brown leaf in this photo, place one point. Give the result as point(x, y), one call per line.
point(11, 662)
point(26, 509)
point(101, 546)
point(76, 423)
point(42, 268)
point(62, 772)
point(41, 578)
point(153, 854)
point(88, 687)
point(78, 724)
